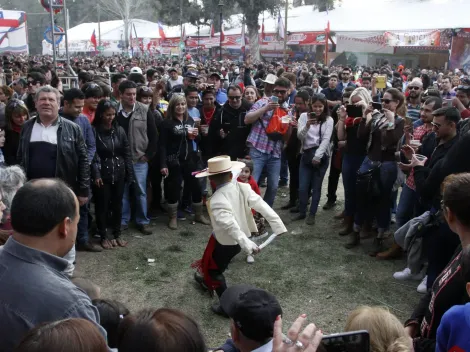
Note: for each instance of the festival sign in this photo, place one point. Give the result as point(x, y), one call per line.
point(460, 53)
point(413, 38)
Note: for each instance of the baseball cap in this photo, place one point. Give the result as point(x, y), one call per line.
point(252, 309)
point(172, 69)
point(136, 70)
point(191, 74)
point(216, 74)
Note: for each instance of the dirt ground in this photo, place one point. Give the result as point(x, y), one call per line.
point(308, 270)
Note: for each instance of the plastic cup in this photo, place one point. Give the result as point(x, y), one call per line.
point(415, 143)
point(205, 129)
point(285, 119)
point(420, 157)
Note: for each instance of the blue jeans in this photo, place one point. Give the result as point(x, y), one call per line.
point(381, 209)
point(406, 205)
point(140, 187)
point(311, 178)
point(284, 175)
point(273, 168)
point(82, 226)
point(351, 163)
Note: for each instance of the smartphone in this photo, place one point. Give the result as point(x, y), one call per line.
point(354, 341)
point(354, 111)
point(274, 99)
point(381, 82)
point(377, 106)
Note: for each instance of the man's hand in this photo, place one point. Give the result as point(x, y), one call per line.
point(316, 162)
point(164, 172)
point(82, 200)
point(408, 151)
point(404, 167)
point(458, 104)
point(271, 106)
point(99, 182)
point(144, 159)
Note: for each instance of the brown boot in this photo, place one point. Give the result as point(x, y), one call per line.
point(348, 226)
point(354, 240)
point(392, 253)
point(199, 216)
point(172, 213)
point(339, 216)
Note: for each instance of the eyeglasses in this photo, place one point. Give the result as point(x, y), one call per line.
point(280, 91)
point(387, 101)
point(413, 87)
point(436, 125)
point(235, 97)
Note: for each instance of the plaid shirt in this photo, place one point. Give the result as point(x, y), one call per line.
point(258, 138)
point(418, 133)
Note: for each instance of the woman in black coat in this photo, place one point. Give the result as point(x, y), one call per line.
point(111, 169)
point(16, 113)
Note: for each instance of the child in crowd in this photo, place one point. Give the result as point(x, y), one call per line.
point(245, 177)
point(454, 329)
point(111, 315)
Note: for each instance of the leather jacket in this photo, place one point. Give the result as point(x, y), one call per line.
point(113, 160)
point(72, 164)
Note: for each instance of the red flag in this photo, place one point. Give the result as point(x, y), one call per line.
point(212, 29)
point(161, 32)
point(93, 39)
point(222, 35)
point(262, 32)
point(242, 40)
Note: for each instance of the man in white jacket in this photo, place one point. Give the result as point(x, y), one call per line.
point(232, 223)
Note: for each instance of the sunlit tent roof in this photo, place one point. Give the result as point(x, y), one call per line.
point(349, 16)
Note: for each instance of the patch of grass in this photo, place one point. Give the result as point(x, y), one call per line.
point(174, 248)
point(187, 233)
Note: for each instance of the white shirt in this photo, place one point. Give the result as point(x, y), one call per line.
point(41, 133)
point(124, 113)
point(265, 348)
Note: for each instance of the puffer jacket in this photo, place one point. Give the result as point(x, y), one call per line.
point(113, 160)
point(72, 164)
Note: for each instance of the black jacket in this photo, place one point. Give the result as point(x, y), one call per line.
point(72, 164)
point(232, 121)
point(10, 149)
point(174, 144)
point(113, 160)
point(206, 143)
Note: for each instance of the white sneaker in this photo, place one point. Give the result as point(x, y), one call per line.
point(423, 287)
point(393, 219)
point(250, 259)
point(406, 275)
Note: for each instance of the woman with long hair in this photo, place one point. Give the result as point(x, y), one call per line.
point(179, 158)
point(16, 113)
point(314, 131)
point(251, 94)
point(111, 169)
point(354, 152)
point(383, 131)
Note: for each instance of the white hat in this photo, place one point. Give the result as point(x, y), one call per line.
point(270, 79)
point(136, 70)
point(220, 165)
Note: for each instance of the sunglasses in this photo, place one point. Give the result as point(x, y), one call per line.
point(280, 91)
point(32, 83)
point(235, 97)
point(436, 125)
point(387, 101)
point(414, 87)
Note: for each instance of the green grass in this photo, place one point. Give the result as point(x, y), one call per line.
point(310, 273)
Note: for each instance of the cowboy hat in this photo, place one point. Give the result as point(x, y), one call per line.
point(220, 165)
point(270, 79)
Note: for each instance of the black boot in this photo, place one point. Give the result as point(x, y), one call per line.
point(288, 205)
point(377, 247)
point(355, 239)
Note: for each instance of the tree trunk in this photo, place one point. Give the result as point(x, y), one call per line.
point(252, 26)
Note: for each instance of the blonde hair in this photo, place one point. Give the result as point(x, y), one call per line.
point(362, 93)
point(385, 330)
point(175, 100)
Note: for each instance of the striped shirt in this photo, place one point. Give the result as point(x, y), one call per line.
point(413, 111)
point(258, 138)
point(418, 134)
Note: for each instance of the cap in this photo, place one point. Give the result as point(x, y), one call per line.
point(136, 70)
point(172, 69)
point(270, 79)
point(217, 74)
point(252, 309)
point(191, 74)
point(193, 66)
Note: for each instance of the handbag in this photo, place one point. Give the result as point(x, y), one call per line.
point(275, 130)
point(368, 185)
point(308, 155)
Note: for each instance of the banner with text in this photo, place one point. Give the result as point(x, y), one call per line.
point(413, 38)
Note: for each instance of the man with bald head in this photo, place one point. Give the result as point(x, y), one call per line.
point(33, 288)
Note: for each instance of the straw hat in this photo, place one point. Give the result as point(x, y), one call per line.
point(220, 165)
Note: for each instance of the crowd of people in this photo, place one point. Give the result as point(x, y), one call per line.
point(135, 139)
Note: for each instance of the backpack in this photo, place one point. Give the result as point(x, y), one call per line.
point(275, 129)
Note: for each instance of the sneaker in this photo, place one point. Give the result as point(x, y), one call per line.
point(200, 280)
point(393, 219)
point(188, 210)
point(406, 275)
point(329, 205)
point(423, 286)
point(250, 259)
point(299, 217)
point(282, 183)
point(310, 220)
point(295, 209)
point(181, 215)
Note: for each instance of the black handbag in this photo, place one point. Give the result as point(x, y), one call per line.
point(368, 185)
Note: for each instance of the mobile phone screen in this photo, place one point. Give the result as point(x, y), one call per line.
point(355, 341)
point(354, 111)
